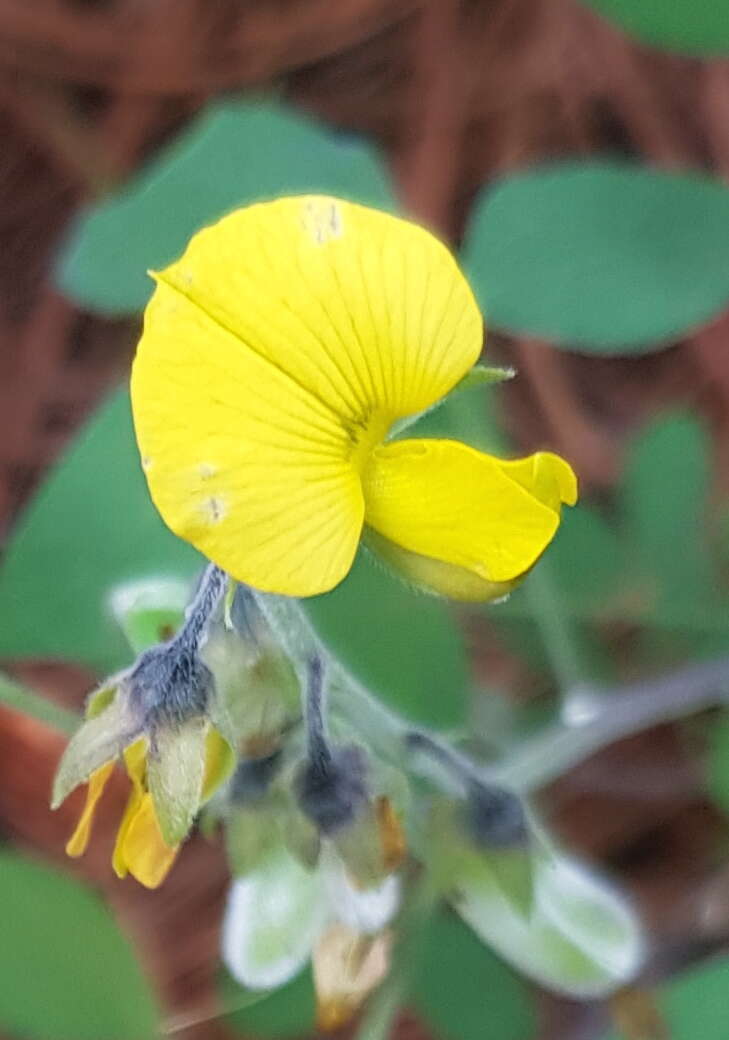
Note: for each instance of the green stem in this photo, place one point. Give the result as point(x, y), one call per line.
point(21, 699)
point(616, 713)
point(555, 629)
point(610, 714)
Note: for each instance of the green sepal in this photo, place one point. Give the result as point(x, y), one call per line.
point(483, 375)
point(256, 695)
point(175, 770)
point(98, 740)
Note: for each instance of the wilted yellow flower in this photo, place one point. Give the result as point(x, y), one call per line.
point(278, 353)
point(140, 848)
point(174, 756)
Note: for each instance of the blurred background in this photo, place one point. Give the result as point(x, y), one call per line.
point(610, 295)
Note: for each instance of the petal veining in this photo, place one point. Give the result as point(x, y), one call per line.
point(364, 310)
point(241, 461)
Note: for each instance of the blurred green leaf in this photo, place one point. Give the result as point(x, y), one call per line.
point(235, 153)
point(403, 645)
point(585, 561)
point(602, 257)
point(694, 1004)
point(91, 527)
point(689, 26)
point(464, 991)
point(21, 699)
point(67, 971)
point(287, 1012)
point(664, 496)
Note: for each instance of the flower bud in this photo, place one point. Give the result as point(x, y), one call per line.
point(332, 791)
point(495, 817)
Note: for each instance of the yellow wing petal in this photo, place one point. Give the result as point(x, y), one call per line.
point(364, 310)
point(241, 460)
point(445, 500)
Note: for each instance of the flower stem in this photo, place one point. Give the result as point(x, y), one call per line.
point(212, 586)
point(460, 767)
point(314, 707)
point(531, 764)
point(559, 639)
point(618, 712)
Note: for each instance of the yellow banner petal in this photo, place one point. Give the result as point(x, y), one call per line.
point(445, 500)
point(276, 353)
point(240, 460)
point(364, 310)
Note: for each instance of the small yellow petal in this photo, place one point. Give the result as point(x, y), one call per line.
point(76, 844)
point(145, 854)
point(118, 861)
point(445, 500)
point(135, 761)
point(219, 763)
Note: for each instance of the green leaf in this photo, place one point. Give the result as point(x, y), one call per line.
point(664, 493)
point(585, 562)
point(403, 645)
point(67, 971)
point(235, 153)
point(20, 698)
point(287, 1012)
point(91, 528)
point(464, 991)
point(604, 257)
point(694, 1003)
point(689, 26)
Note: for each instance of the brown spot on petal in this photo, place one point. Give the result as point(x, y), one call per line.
point(394, 847)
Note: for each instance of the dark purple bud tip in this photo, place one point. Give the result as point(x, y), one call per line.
point(332, 790)
point(495, 817)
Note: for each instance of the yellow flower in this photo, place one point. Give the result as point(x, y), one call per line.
point(173, 770)
point(140, 849)
point(278, 352)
